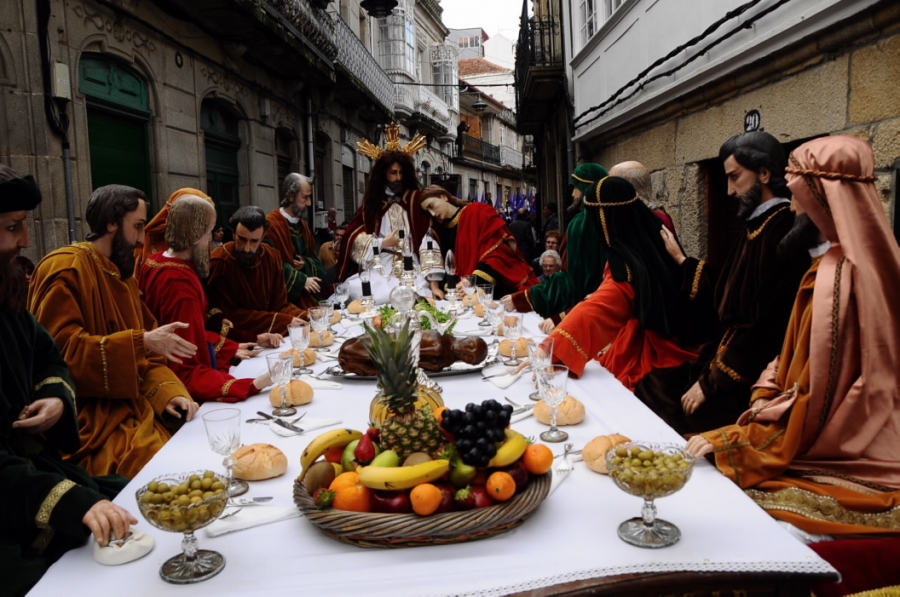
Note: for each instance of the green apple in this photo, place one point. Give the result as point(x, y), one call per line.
point(386, 458)
point(462, 475)
point(348, 459)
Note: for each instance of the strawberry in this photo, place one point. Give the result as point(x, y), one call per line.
point(464, 498)
point(323, 498)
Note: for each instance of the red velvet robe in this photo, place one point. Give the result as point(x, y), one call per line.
point(483, 238)
point(603, 327)
point(173, 292)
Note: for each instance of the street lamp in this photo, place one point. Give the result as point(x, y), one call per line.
point(379, 9)
point(479, 105)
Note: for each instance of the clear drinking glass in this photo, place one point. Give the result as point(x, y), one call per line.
point(552, 381)
point(541, 355)
point(469, 284)
point(299, 335)
point(485, 297)
point(223, 430)
point(280, 369)
point(318, 319)
point(512, 329)
point(329, 312)
point(342, 293)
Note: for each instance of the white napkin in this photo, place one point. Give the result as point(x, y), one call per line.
point(483, 331)
point(320, 384)
point(137, 547)
point(305, 424)
point(558, 476)
point(521, 416)
point(251, 517)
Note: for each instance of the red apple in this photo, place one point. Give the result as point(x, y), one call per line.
point(519, 474)
point(391, 502)
point(448, 492)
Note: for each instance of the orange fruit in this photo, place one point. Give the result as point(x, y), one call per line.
point(537, 459)
point(344, 480)
point(500, 486)
point(355, 498)
point(425, 498)
point(334, 454)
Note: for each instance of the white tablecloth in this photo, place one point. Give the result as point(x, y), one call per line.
point(572, 536)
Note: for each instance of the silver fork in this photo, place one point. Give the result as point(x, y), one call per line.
point(230, 514)
point(565, 465)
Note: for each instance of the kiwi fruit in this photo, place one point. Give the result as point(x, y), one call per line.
point(319, 475)
point(417, 458)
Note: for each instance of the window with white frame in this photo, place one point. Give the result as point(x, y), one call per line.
point(445, 66)
point(397, 40)
point(588, 14)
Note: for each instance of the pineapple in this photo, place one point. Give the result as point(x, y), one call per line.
point(403, 409)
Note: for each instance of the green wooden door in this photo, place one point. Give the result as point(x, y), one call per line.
point(221, 140)
point(118, 150)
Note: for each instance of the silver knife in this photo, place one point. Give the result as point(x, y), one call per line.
point(522, 409)
point(281, 423)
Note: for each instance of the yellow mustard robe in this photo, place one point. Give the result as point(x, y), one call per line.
point(98, 322)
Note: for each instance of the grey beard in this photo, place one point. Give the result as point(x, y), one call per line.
point(123, 255)
point(200, 259)
point(749, 201)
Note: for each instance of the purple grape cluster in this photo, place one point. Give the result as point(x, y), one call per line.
point(478, 429)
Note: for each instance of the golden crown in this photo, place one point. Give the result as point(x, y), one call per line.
point(392, 133)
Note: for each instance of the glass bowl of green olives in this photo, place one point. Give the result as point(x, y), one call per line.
point(648, 470)
point(184, 503)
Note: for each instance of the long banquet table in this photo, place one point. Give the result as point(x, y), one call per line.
point(568, 546)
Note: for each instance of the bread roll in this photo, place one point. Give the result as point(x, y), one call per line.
point(479, 310)
point(521, 348)
point(259, 461)
point(320, 339)
point(355, 307)
point(570, 412)
point(336, 318)
point(594, 453)
point(309, 353)
point(298, 393)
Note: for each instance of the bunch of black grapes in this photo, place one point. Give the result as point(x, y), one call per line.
point(477, 429)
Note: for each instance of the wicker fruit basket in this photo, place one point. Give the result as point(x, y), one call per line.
point(410, 530)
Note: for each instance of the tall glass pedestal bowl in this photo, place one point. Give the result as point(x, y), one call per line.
point(170, 503)
point(649, 471)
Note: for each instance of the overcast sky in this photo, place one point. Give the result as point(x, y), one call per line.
point(491, 15)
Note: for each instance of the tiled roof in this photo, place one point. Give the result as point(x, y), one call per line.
point(479, 66)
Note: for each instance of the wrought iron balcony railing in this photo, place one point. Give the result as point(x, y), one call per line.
point(359, 62)
point(304, 21)
point(477, 149)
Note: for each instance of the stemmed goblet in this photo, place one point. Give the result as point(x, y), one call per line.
point(485, 297)
point(552, 382)
point(318, 319)
point(280, 369)
point(541, 355)
point(223, 430)
point(469, 285)
point(342, 293)
point(512, 329)
point(299, 335)
point(329, 313)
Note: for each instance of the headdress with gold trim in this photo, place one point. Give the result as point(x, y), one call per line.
point(392, 134)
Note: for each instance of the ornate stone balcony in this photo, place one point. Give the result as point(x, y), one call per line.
point(354, 58)
point(510, 157)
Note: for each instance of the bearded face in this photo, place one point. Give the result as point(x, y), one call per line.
point(246, 258)
point(749, 200)
point(13, 284)
point(803, 235)
point(394, 188)
point(123, 254)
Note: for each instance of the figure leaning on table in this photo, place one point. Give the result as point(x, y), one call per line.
point(173, 292)
point(49, 505)
point(295, 243)
point(635, 321)
point(87, 298)
point(389, 205)
point(246, 282)
point(480, 239)
point(820, 445)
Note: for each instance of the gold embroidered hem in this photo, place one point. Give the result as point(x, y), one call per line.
point(454, 221)
point(103, 341)
point(823, 508)
point(484, 276)
point(758, 231)
point(156, 264)
point(227, 386)
point(528, 298)
point(574, 342)
point(42, 519)
point(89, 248)
point(695, 286)
point(153, 392)
point(52, 380)
point(835, 325)
point(891, 591)
point(221, 341)
point(730, 448)
point(492, 249)
point(272, 325)
point(723, 346)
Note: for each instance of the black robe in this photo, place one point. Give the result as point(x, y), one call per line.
point(43, 499)
point(754, 296)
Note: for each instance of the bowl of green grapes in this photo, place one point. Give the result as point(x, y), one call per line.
point(184, 503)
point(649, 471)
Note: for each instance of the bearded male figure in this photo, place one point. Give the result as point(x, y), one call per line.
point(173, 292)
point(87, 298)
point(390, 204)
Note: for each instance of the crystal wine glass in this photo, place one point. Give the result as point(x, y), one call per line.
point(318, 319)
point(342, 293)
point(485, 297)
point(329, 313)
point(223, 430)
point(299, 335)
point(512, 329)
point(663, 470)
point(552, 381)
point(541, 355)
point(280, 368)
point(185, 516)
point(469, 285)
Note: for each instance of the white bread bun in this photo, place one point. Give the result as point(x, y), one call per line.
point(298, 393)
point(355, 307)
point(569, 412)
point(259, 461)
point(336, 318)
point(308, 353)
point(521, 348)
point(320, 339)
point(594, 453)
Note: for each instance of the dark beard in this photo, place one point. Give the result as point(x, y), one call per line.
point(749, 201)
point(123, 255)
point(804, 234)
point(200, 259)
point(246, 258)
point(395, 187)
point(13, 284)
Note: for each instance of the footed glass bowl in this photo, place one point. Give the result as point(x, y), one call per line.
point(184, 503)
point(649, 471)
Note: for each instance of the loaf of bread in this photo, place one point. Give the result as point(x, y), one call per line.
point(521, 348)
point(569, 412)
point(594, 453)
point(259, 461)
point(309, 353)
point(355, 307)
point(320, 339)
point(298, 393)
